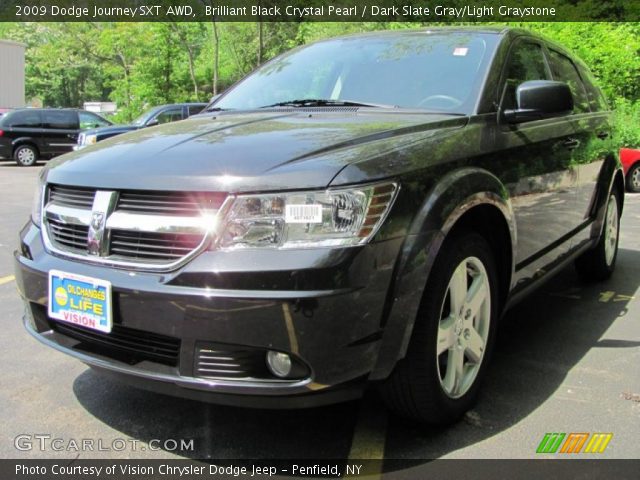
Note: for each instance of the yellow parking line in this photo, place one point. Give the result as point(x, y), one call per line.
point(369, 438)
point(7, 279)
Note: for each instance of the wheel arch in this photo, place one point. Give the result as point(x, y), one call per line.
point(20, 141)
point(467, 198)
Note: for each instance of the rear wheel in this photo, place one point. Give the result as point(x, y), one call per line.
point(439, 378)
point(25, 155)
point(633, 179)
point(599, 263)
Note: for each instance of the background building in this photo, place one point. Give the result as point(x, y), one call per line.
point(11, 74)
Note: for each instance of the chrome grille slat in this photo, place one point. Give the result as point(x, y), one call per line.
point(230, 362)
point(142, 229)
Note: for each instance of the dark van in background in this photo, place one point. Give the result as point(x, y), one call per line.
point(27, 135)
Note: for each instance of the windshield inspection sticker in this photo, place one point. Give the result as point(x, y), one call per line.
point(460, 51)
point(303, 214)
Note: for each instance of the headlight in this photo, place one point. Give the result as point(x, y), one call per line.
point(36, 208)
point(89, 140)
point(336, 217)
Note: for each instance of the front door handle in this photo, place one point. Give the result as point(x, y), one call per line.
point(571, 143)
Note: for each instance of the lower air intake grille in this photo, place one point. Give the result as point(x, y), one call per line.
point(227, 362)
point(124, 344)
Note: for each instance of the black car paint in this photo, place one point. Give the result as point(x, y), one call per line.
point(348, 312)
point(107, 132)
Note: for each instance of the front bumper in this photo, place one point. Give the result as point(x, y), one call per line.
point(324, 306)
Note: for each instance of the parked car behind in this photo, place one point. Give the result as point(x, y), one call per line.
point(150, 118)
point(630, 158)
point(362, 209)
point(30, 134)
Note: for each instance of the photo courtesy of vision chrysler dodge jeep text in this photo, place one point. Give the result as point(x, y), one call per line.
point(358, 211)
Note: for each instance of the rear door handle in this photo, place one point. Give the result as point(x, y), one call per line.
point(571, 143)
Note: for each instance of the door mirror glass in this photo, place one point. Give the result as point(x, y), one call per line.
point(539, 99)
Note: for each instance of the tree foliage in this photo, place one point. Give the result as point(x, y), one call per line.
point(138, 65)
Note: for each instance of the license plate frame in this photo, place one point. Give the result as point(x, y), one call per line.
point(80, 300)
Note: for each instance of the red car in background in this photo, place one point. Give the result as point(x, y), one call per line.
point(630, 158)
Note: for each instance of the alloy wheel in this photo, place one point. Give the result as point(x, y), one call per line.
point(611, 230)
point(463, 328)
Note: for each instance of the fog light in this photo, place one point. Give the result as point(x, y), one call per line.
point(279, 363)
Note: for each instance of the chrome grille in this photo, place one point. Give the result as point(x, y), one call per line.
point(140, 229)
point(169, 203)
point(147, 246)
point(69, 236)
point(71, 197)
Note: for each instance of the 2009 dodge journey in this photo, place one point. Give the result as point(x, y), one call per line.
point(359, 210)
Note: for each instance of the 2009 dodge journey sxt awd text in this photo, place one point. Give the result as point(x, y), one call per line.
point(362, 209)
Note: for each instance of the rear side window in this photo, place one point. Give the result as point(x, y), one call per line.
point(526, 62)
point(565, 71)
point(23, 119)
point(60, 119)
point(194, 110)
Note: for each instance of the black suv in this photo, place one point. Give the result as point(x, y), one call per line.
point(152, 117)
point(363, 209)
point(27, 135)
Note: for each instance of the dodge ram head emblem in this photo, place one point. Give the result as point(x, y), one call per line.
point(97, 239)
point(96, 233)
point(96, 220)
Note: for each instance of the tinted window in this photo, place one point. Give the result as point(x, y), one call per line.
point(565, 71)
point(172, 115)
point(60, 119)
point(195, 110)
point(597, 101)
point(526, 62)
point(23, 119)
point(89, 120)
point(414, 70)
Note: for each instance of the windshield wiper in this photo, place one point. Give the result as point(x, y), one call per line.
point(320, 102)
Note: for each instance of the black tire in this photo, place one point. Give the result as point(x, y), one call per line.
point(633, 178)
point(25, 155)
point(596, 265)
point(416, 389)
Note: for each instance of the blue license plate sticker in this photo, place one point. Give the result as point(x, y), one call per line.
point(80, 300)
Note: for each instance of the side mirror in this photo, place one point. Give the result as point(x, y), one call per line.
point(539, 99)
point(153, 123)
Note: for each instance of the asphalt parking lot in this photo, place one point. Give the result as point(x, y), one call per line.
point(566, 361)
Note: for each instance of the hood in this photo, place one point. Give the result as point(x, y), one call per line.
point(250, 151)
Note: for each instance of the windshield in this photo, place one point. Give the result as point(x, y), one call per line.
point(431, 71)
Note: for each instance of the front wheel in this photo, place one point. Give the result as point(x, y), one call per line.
point(599, 263)
point(439, 378)
point(25, 155)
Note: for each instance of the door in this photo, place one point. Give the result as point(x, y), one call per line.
point(60, 131)
point(25, 125)
point(541, 179)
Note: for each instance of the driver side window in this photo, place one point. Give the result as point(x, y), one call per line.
point(526, 62)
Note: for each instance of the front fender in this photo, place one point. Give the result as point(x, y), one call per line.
point(444, 205)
